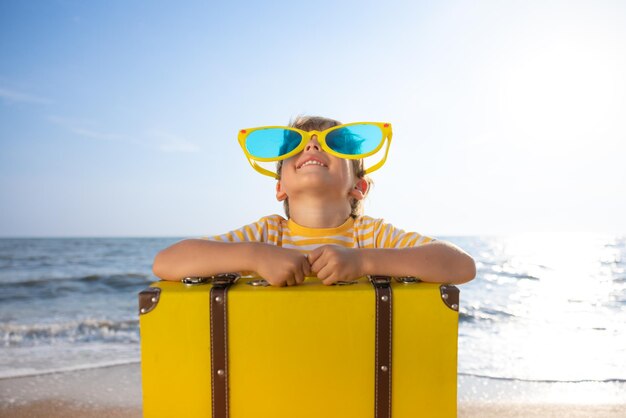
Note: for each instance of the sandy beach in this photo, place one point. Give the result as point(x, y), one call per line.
point(116, 392)
point(100, 392)
point(473, 410)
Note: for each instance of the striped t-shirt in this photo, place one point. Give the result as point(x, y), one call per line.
point(362, 232)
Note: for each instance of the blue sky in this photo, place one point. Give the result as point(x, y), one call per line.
point(120, 118)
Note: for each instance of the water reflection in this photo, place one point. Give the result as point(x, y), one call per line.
point(546, 307)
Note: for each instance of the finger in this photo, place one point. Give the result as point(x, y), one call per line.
point(299, 276)
point(291, 279)
point(277, 283)
point(315, 268)
point(324, 273)
point(319, 264)
point(306, 267)
point(299, 272)
point(315, 254)
point(328, 281)
point(332, 278)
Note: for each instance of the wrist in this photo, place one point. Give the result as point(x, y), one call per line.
point(251, 255)
point(366, 262)
point(379, 261)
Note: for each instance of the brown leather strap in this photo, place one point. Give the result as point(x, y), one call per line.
point(219, 350)
point(382, 406)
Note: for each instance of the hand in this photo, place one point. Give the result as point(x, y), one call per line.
point(281, 266)
point(333, 263)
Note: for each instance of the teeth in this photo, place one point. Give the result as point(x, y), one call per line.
point(312, 162)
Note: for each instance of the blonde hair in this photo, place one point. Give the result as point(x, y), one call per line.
point(318, 123)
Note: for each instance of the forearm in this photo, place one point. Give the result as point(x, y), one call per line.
point(437, 262)
point(200, 258)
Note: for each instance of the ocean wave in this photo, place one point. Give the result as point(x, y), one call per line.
point(18, 335)
point(515, 379)
point(5, 374)
point(12, 373)
point(491, 274)
point(105, 278)
point(55, 287)
point(514, 275)
point(472, 314)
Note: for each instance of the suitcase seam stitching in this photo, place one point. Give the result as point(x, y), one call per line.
point(376, 374)
point(226, 349)
point(211, 313)
point(389, 350)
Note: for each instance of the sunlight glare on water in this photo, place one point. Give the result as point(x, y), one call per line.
point(563, 327)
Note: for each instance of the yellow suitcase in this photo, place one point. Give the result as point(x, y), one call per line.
point(375, 348)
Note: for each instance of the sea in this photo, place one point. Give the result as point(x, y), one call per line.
point(543, 308)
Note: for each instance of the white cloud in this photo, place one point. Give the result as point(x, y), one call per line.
point(171, 143)
point(19, 97)
point(82, 128)
point(163, 141)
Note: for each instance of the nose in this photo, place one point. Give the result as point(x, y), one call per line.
point(313, 145)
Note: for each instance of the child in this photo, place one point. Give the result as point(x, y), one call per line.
point(324, 234)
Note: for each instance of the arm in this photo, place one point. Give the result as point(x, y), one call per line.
point(201, 258)
point(438, 262)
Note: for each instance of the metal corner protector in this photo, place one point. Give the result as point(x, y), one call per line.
point(450, 296)
point(148, 299)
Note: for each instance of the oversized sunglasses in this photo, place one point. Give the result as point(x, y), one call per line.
point(352, 141)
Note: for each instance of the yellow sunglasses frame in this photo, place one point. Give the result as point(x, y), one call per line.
point(321, 138)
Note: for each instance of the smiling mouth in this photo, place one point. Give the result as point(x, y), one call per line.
point(312, 162)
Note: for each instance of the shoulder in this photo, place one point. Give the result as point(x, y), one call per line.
point(274, 217)
point(274, 220)
point(365, 221)
point(379, 226)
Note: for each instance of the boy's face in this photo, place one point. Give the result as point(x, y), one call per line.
point(314, 171)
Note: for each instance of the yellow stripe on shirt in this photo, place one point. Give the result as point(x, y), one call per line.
point(363, 232)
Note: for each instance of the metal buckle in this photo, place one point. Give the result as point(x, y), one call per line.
point(195, 280)
point(258, 282)
point(380, 280)
point(345, 282)
point(218, 279)
point(225, 278)
point(408, 279)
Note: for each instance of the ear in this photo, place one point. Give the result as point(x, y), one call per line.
point(359, 191)
point(280, 193)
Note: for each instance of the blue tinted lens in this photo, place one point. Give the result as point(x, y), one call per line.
point(355, 139)
point(272, 142)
